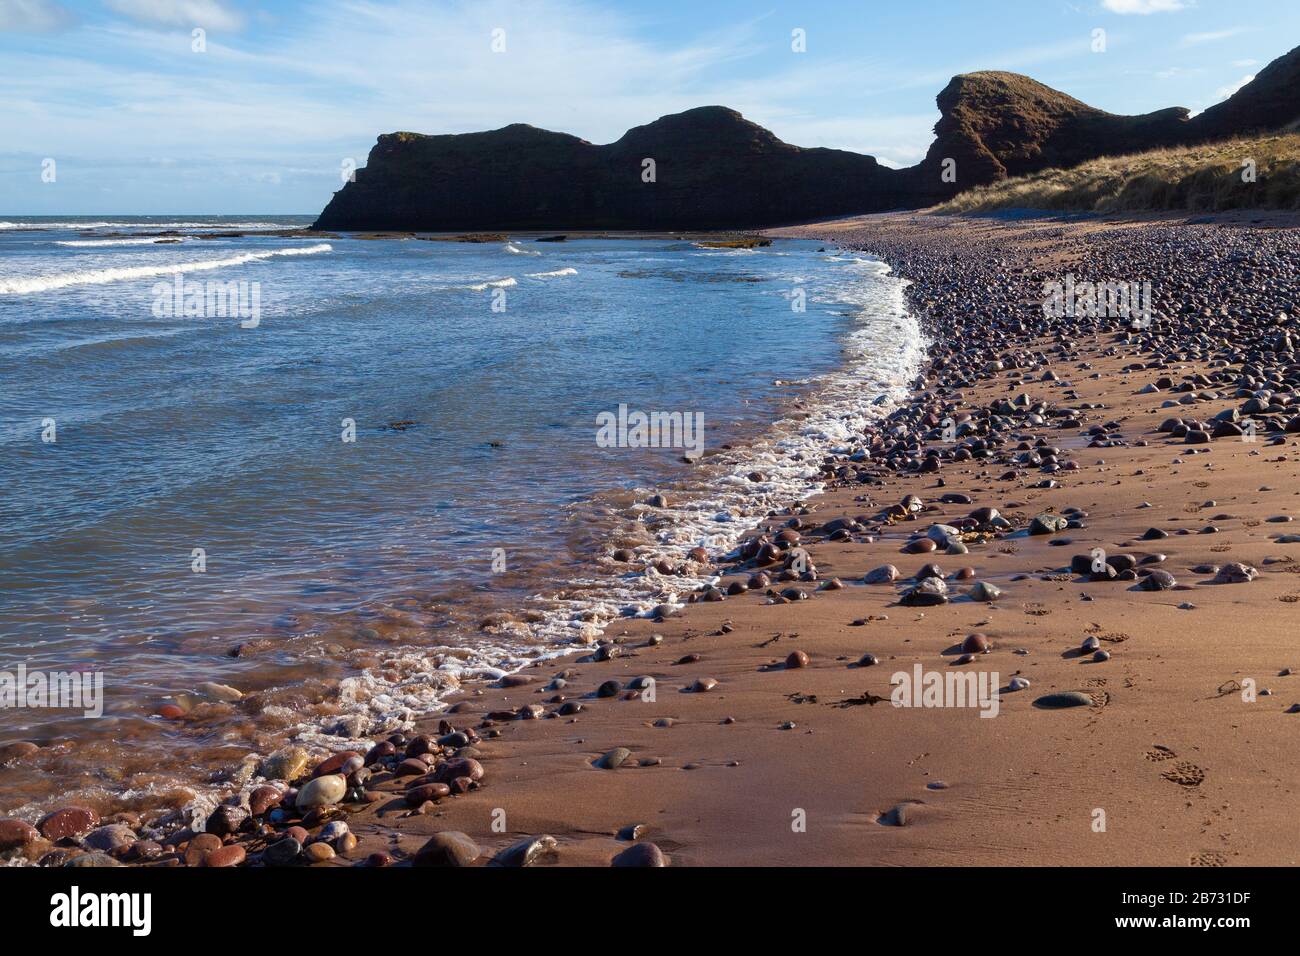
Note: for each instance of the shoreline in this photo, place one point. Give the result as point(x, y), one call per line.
point(557, 615)
point(784, 760)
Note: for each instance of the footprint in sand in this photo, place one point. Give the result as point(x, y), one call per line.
point(1158, 753)
point(1095, 682)
point(1185, 774)
point(1209, 858)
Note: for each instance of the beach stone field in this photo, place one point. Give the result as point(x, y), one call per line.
point(1087, 522)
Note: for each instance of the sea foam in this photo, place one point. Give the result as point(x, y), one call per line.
point(59, 280)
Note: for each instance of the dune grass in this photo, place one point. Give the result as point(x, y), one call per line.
point(1204, 178)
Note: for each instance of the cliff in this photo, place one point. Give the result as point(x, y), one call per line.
point(714, 169)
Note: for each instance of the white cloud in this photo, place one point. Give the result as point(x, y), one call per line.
point(1175, 72)
point(1144, 7)
point(32, 16)
point(1211, 36)
point(1226, 91)
point(294, 96)
point(209, 14)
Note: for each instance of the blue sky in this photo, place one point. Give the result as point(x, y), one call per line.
point(285, 92)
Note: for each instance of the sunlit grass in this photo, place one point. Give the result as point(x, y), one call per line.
point(1203, 178)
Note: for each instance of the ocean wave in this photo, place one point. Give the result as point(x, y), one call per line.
point(515, 250)
point(492, 284)
point(61, 280)
point(884, 352)
point(114, 224)
point(95, 243)
point(551, 275)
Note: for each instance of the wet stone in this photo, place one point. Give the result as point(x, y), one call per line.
point(640, 855)
point(449, 848)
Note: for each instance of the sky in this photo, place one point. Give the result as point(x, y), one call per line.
point(260, 111)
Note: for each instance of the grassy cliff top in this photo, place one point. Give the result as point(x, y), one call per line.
point(1204, 178)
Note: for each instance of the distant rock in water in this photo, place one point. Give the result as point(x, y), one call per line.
point(710, 168)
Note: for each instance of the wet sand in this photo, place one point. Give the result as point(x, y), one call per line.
point(1162, 763)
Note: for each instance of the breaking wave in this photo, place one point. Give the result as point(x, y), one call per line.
point(61, 280)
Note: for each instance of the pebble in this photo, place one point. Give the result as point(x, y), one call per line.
point(322, 792)
point(16, 833)
point(1158, 581)
point(1235, 573)
point(226, 819)
point(288, 763)
point(421, 793)
point(448, 848)
point(225, 856)
point(217, 691)
point(640, 854)
point(318, 852)
point(67, 822)
point(885, 574)
point(930, 592)
point(526, 852)
point(896, 816)
point(1047, 524)
point(282, 852)
point(109, 838)
point(200, 846)
point(613, 759)
point(264, 798)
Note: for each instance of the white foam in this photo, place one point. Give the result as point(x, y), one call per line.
point(61, 280)
point(515, 250)
point(178, 224)
point(493, 284)
point(552, 275)
point(94, 243)
point(884, 354)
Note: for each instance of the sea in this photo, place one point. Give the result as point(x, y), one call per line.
point(260, 486)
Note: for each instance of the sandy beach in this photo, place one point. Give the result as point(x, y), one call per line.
point(1128, 585)
point(1184, 770)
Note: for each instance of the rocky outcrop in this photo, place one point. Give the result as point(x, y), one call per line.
point(995, 125)
point(1268, 102)
point(710, 168)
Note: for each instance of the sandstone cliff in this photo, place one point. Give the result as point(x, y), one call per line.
point(714, 169)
